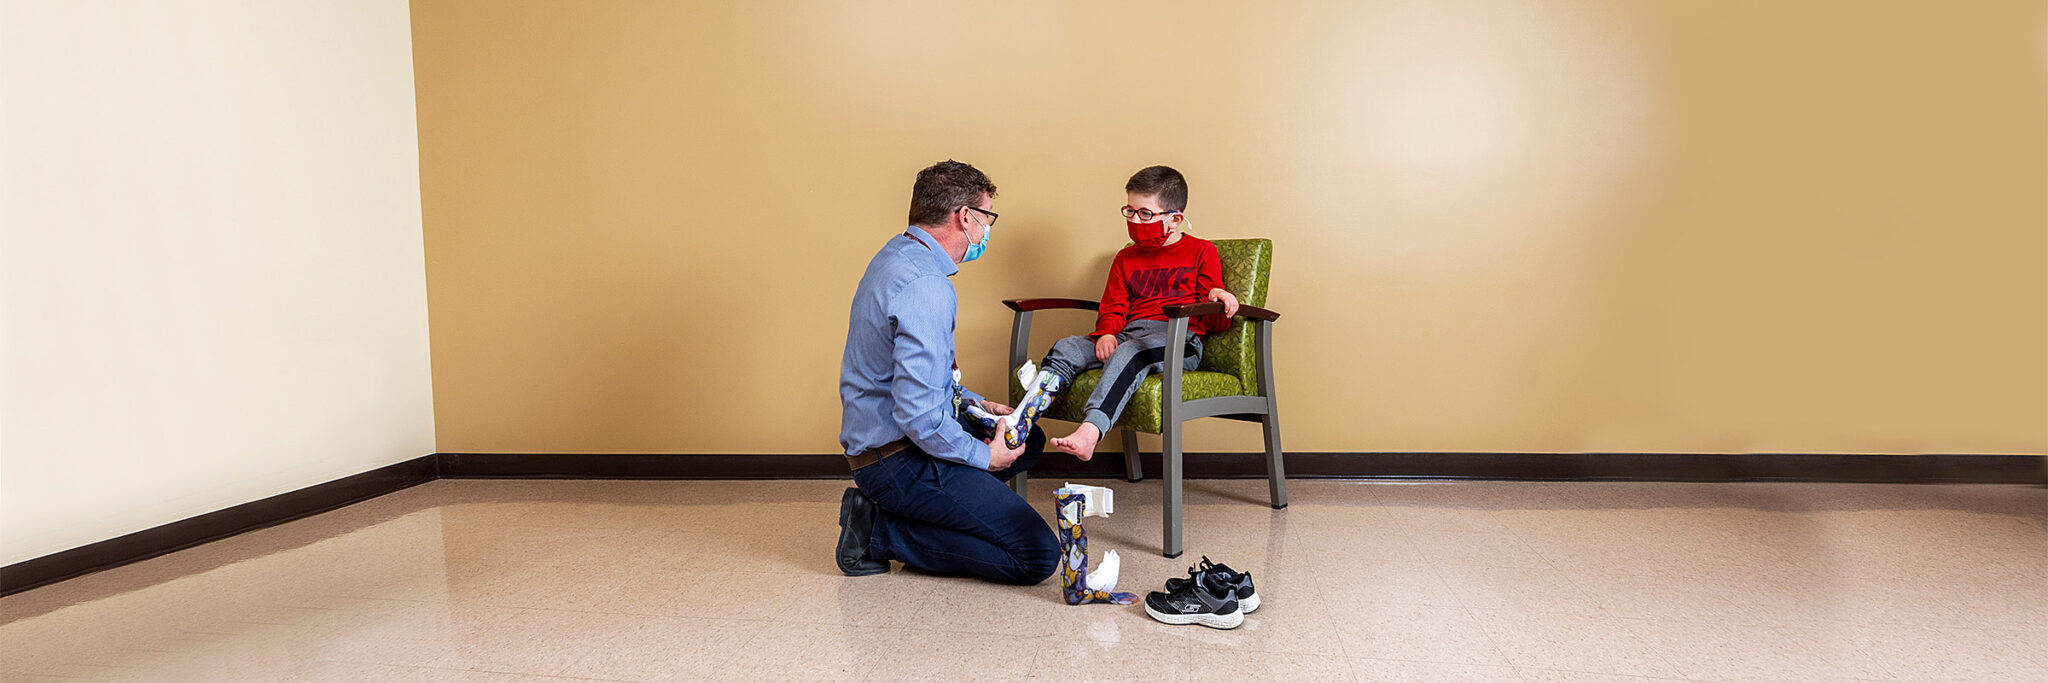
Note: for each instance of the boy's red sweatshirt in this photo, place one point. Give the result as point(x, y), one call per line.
point(1144, 280)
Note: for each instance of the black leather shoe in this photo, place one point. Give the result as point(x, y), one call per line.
point(856, 525)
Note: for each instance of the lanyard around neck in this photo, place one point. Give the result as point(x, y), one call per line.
point(920, 240)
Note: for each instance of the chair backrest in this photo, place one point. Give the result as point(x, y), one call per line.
point(1247, 264)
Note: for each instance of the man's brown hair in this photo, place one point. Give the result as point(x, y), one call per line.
point(944, 188)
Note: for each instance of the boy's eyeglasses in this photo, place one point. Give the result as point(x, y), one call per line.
point(1144, 215)
point(991, 215)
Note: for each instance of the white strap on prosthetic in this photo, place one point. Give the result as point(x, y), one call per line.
point(1101, 501)
point(1105, 575)
point(1025, 373)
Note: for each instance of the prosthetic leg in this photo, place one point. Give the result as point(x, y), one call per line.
point(1039, 388)
point(1079, 585)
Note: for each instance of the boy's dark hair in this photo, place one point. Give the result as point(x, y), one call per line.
point(1162, 182)
point(944, 188)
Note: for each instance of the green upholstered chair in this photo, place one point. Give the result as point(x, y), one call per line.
point(1234, 381)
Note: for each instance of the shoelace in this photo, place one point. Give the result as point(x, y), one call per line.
point(1187, 590)
point(1197, 573)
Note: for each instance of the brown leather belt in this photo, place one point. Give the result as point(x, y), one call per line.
point(876, 454)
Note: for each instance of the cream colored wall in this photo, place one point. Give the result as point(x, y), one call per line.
point(1501, 225)
point(214, 282)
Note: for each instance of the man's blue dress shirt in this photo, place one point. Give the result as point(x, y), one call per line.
point(896, 379)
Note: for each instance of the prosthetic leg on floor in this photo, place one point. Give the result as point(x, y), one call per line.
point(1080, 586)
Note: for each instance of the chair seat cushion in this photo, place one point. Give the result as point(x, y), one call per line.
point(1143, 413)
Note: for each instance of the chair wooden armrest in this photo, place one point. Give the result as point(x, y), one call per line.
point(1020, 325)
point(1022, 305)
point(1216, 308)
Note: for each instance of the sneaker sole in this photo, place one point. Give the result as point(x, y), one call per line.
point(1215, 621)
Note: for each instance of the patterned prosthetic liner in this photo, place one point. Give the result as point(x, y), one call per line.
point(1039, 388)
point(1069, 505)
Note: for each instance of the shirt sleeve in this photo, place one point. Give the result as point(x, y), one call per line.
point(922, 389)
point(1116, 305)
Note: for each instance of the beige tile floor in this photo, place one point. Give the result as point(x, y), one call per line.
point(639, 580)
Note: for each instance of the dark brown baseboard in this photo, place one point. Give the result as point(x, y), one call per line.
point(185, 533)
point(1641, 467)
point(622, 466)
point(1631, 467)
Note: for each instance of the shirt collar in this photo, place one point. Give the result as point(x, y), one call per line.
point(937, 251)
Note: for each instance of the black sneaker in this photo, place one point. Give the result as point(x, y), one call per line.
point(1219, 577)
point(1192, 604)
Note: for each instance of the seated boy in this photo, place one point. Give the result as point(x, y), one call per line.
point(1164, 266)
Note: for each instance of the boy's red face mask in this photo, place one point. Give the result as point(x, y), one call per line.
point(1149, 234)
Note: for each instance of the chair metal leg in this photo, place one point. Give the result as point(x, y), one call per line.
point(1170, 398)
point(1170, 498)
point(1134, 471)
point(1276, 467)
point(1022, 485)
point(1276, 471)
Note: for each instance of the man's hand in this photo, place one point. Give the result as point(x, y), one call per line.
point(995, 408)
point(1105, 345)
point(1000, 455)
point(1229, 301)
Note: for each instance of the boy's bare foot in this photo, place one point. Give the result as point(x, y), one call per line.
point(1081, 443)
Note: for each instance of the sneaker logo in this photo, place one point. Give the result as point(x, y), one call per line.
point(1190, 609)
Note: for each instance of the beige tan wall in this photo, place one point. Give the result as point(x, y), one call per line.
point(211, 280)
point(1501, 226)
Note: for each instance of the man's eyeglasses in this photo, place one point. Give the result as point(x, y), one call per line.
point(985, 212)
point(1144, 215)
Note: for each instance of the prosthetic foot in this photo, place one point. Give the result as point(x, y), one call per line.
point(1039, 388)
point(971, 416)
point(1079, 585)
point(977, 421)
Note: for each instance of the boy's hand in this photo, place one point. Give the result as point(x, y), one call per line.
point(1001, 455)
point(1229, 301)
point(995, 408)
point(1105, 345)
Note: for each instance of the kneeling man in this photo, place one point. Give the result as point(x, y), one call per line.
point(927, 493)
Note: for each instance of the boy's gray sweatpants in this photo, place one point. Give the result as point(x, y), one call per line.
point(1140, 352)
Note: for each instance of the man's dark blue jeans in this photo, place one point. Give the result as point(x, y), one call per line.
point(947, 518)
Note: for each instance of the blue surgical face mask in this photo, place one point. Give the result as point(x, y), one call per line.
point(975, 250)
